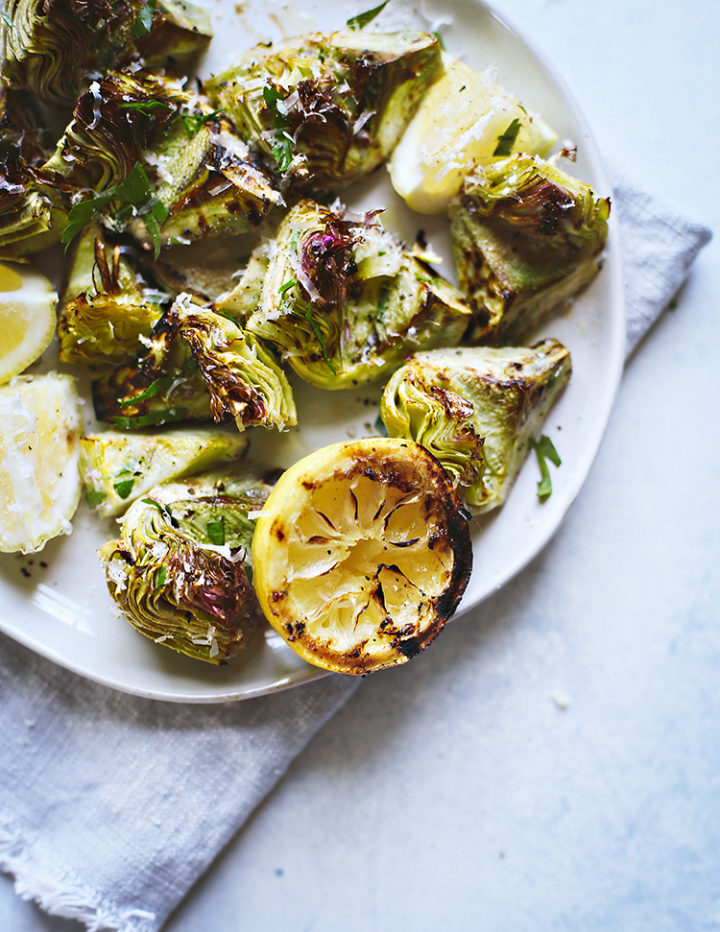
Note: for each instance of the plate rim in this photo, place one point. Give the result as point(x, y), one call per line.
point(306, 674)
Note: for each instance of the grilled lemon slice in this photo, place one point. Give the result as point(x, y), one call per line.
point(40, 428)
point(361, 554)
point(27, 318)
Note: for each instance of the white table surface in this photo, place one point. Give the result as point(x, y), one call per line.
point(458, 792)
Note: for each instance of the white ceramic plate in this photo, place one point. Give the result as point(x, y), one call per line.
point(59, 605)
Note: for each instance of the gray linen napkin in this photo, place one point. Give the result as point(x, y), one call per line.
point(112, 806)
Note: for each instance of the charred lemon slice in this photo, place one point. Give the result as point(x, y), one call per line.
point(361, 554)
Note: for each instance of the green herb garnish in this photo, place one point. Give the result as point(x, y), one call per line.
point(148, 420)
point(93, 497)
point(160, 576)
point(143, 21)
point(216, 531)
point(383, 299)
point(124, 487)
point(287, 286)
point(132, 197)
point(193, 122)
point(159, 385)
point(362, 19)
point(282, 150)
point(146, 106)
point(544, 451)
point(506, 140)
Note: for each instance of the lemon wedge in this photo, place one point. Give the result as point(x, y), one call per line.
point(27, 318)
point(40, 427)
point(361, 554)
point(464, 120)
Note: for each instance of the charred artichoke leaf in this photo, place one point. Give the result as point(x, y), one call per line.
point(161, 385)
point(106, 305)
point(243, 379)
point(526, 237)
point(49, 47)
point(114, 121)
point(327, 109)
point(208, 181)
point(343, 301)
point(180, 569)
point(180, 32)
point(117, 468)
point(476, 409)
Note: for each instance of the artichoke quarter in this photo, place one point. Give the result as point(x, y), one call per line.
point(526, 237)
point(31, 216)
point(476, 409)
point(327, 109)
point(181, 569)
point(106, 306)
point(51, 47)
point(341, 299)
point(118, 467)
point(114, 121)
point(242, 378)
point(207, 179)
point(161, 385)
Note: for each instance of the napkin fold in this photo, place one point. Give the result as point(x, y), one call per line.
point(112, 806)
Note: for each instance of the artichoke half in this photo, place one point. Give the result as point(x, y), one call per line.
point(526, 237)
point(52, 46)
point(476, 409)
point(181, 569)
point(161, 385)
point(197, 366)
point(114, 121)
point(341, 299)
point(106, 305)
point(207, 180)
point(118, 468)
point(31, 217)
point(328, 108)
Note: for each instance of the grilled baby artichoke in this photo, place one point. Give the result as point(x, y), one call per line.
point(197, 366)
point(342, 300)
point(475, 409)
point(117, 468)
point(31, 217)
point(328, 109)
point(51, 46)
point(106, 306)
point(526, 237)
point(180, 570)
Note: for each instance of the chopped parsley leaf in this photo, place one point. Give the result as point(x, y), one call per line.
point(159, 385)
point(216, 531)
point(124, 487)
point(193, 122)
point(544, 451)
point(506, 140)
point(93, 497)
point(362, 19)
point(131, 197)
point(160, 576)
point(282, 149)
point(143, 21)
